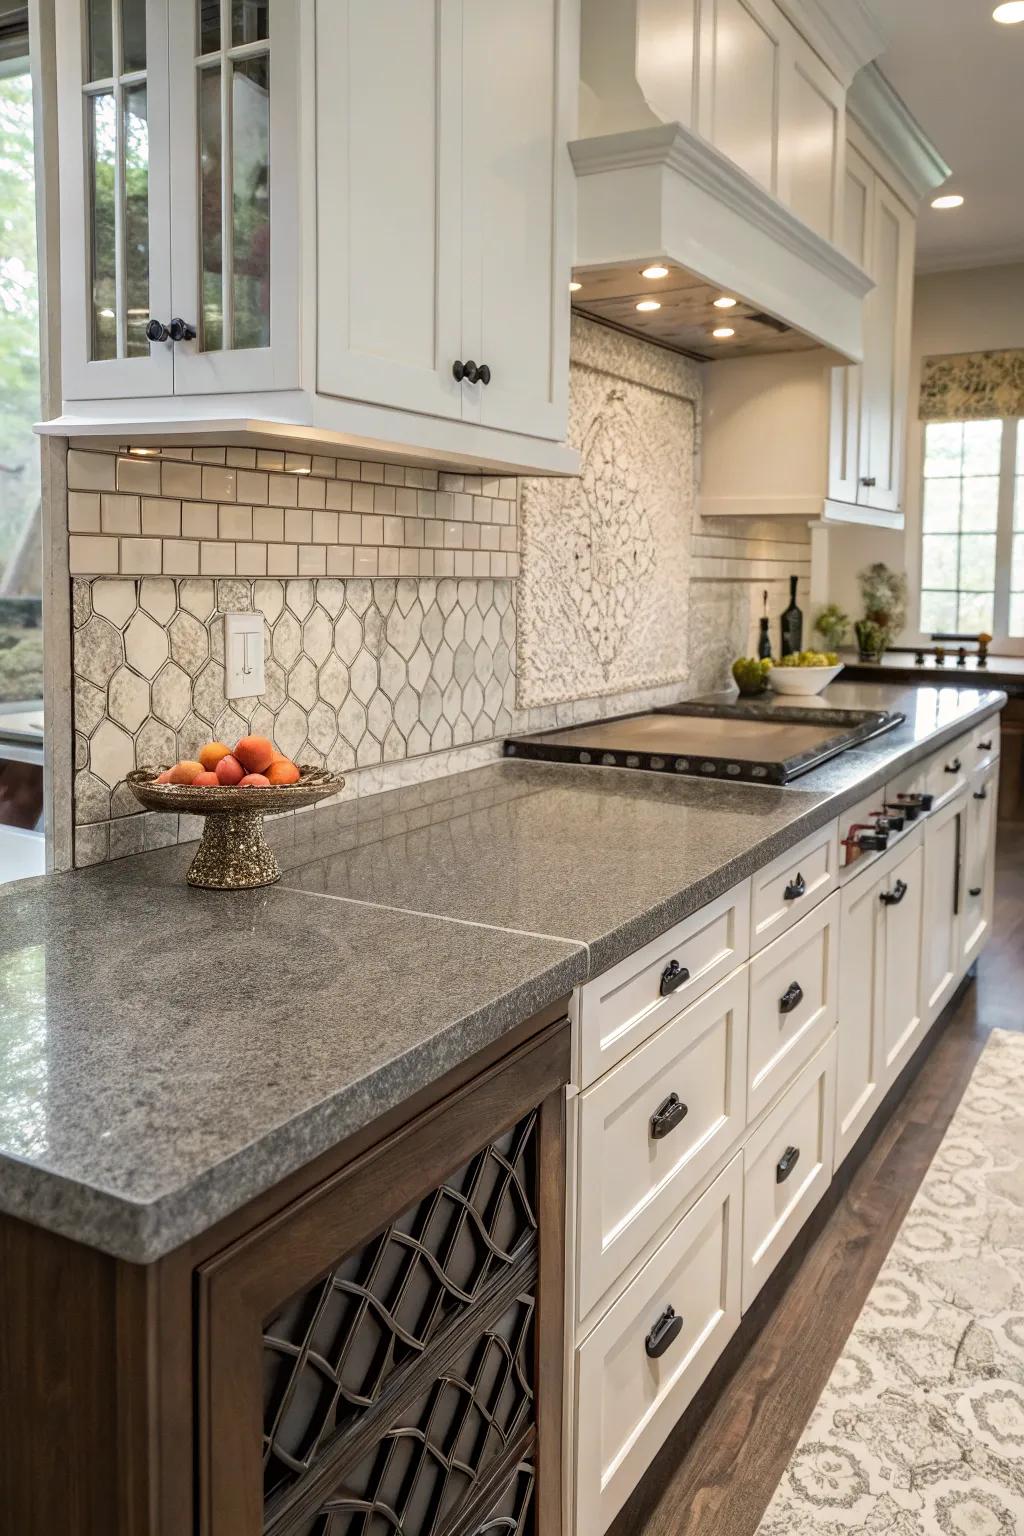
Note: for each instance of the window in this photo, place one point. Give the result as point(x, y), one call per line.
point(972, 529)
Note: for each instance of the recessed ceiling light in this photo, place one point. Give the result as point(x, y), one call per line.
point(948, 200)
point(723, 332)
point(724, 302)
point(1012, 11)
point(646, 305)
point(575, 287)
point(654, 272)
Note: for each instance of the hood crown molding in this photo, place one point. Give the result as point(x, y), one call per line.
point(885, 117)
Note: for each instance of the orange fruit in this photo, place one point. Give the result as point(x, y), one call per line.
point(229, 770)
point(254, 781)
point(205, 781)
point(212, 753)
point(185, 772)
point(255, 753)
point(283, 771)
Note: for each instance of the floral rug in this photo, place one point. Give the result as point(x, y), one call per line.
point(920, 1430)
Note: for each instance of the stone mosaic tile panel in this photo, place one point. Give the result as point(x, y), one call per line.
point(262, 512)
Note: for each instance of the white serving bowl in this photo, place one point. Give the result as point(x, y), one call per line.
point(804, 680)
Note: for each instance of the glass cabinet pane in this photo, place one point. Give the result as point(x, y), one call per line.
point(101, 40)
point(249, 21)
point(211, 231)
point(133, 36)
point(103, 198)
point(136, 221)
point(209, 26)
point(251, 201)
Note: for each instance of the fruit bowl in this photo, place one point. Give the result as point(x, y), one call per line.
point(233, 854)
point(802, 680)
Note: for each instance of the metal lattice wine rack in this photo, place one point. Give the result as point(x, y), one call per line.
point(399, 1389)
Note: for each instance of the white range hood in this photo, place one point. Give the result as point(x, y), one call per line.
point(712, 140)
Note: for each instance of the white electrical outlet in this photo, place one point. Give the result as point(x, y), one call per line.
point(244, 672)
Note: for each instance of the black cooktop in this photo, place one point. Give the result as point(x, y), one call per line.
point(745, 742)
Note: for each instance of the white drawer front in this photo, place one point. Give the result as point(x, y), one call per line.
point(790, 885)
point(797, 1136)
point(985, 743)
point(636, 1169)
point(793, 991)
point(626, 1400)
point(626, 1005)
point(948, 770)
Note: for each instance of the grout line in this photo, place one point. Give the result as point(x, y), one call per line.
point(439, 917)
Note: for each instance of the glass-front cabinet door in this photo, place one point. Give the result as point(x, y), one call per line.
point(235, 178)
point(115, 213)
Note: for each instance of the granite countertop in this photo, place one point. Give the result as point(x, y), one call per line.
point(167, 1054)
point(1006, 672)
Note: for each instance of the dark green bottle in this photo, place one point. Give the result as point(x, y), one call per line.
point(764, 642)
point(792, 624)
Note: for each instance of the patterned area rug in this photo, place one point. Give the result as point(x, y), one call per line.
point(920, 1430)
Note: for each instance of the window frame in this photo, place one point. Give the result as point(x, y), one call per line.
point(1003, 643)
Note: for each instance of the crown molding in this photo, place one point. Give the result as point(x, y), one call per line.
point(885, 117)
point(844, 32)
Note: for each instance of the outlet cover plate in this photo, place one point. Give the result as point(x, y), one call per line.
point(244, 658)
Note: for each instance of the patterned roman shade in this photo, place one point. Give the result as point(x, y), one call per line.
point(973, 386)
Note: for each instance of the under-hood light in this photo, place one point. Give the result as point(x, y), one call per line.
point(646, 305)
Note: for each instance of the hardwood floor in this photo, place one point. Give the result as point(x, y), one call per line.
point(720, 1467)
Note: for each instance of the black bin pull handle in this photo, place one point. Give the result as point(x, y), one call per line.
point(895, 896)
point(795, 889)
point(985, 746)
point(665, 1332)
point(981, 794)
point(673, 977)
point(954, 766)
point(791, 998)
point(974, 890)
point(786, 1163)
point(667, 1116)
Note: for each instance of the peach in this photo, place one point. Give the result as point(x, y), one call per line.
point(211, 754)
point(185, 772)
point(255, 753)
point(283, 771)
point(254, 781)
point(229, 770)
point(165, 777)
point(205, 781)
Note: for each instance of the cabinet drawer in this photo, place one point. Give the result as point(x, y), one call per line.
point(786, 888)
point(635, 1169)
point(948, 771)
point(636, 1372)
point(787, 1167)
point(984, 743)
point(792, 1003)
point(625, 1006)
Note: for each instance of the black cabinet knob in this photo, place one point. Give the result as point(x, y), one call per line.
point(981, 794)
point(673, 977)
point(181, 330)
point(667, 1116)
point(786, 1163)
point(954, 766)
point(467, 373)
point(791, 998)
point(895, 896)
point(795, 889)
point(974, 890)
point(157, 331)
point(484, 374)
point(665, 1332)
point(867, 480)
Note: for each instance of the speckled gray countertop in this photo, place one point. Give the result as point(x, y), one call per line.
point(167, 1054)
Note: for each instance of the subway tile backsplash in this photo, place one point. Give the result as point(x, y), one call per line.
point(262, 512)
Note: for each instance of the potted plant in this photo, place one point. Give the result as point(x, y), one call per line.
point(833, 625)
point(884, 594)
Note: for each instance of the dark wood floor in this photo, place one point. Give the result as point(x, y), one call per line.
point(716, 1478)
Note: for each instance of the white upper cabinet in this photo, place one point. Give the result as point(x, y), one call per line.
point(170, 118)
point(442, 186)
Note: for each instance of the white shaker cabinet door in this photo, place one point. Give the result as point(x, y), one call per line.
point(904, 901)
point(860, 1065)
point(886, 368)
point(848, 383)
point(940, 944)
point(112, 106)
point(518, 201)
point(390, 202)
point(979, 863)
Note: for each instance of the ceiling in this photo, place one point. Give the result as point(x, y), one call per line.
point(686, 316)
point(962, 76)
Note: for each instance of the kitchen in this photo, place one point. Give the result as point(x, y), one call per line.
point(457, 1036)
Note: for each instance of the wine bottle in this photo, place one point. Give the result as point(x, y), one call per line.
point(764, 643)
point(792, 624)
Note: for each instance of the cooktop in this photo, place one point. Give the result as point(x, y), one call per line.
point(725, 741)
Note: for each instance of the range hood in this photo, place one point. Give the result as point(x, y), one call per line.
point(652, 190)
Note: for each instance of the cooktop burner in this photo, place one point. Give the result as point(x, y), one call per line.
point(727, 741)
